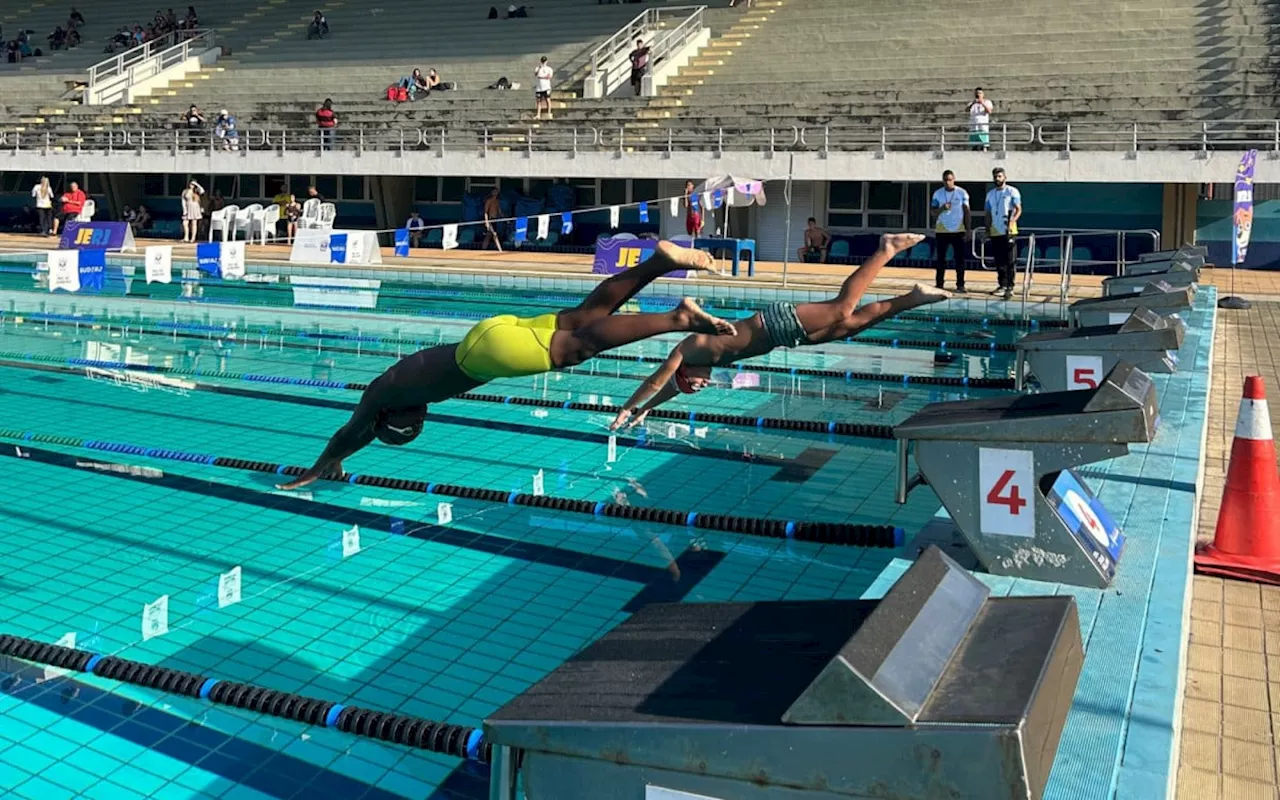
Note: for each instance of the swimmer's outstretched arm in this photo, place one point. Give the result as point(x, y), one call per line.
point(653, 392)
point(350, 438)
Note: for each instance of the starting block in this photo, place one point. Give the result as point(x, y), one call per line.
point(1077, 358)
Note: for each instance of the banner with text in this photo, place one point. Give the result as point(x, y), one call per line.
point(97, 235)
point(1242, 213)
point(615, 255)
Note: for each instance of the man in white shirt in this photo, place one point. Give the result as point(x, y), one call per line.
point(415, 224)
point(1004, 208)
point(950, 210)
point(542, 88)
point(980, 120)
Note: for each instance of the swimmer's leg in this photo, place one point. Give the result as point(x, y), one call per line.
point(610, 294)
point(818, 317)
point(874, 313)
point(569, 348)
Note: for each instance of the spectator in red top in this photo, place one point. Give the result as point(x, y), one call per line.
point(692, 214)
point(326, 120)
point(72, 202)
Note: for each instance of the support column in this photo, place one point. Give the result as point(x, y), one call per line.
point(392, 200)
point(1178, 217)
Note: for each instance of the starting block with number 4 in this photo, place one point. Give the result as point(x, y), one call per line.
point(1003, 470)
point(1066, 360)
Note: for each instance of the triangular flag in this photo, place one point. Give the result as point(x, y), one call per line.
point(675, 206)
point(337, 248)
point(728, 197)
point(614, 212)
point(209, 257)
point(232, 260)
point(402, 242)
point(522, 229)
point(544, 225)
point(566, 223)
point(695, 201)
point(644, 212)
point(707, 201)
point(159, 263)
point(64, 270)
point(717, 199)
point(449, 237)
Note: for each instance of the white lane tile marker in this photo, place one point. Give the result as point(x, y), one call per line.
point(155, 618)
point(444, 513)
point(229, 587)
point(351, 541)
point(613, 450)
point(538, 484)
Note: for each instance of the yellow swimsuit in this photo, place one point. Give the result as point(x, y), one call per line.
point(507, 346)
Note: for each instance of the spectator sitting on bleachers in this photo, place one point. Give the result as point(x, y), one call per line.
point(73, 38)
point(319, 27)
point(433, 80)
point(142, 220)
point(57, 39)
point(415, 224)
point(72, 201)
point(192, 21)
point(418, 83)
point(225, 129)
point(517, 12)
point(171, 20)
point(76, 19)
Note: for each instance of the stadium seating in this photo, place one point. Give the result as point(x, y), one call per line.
point(780, 63)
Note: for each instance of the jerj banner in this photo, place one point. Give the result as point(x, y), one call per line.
point(97, 235)
point(1242, 213)
point(616, 255)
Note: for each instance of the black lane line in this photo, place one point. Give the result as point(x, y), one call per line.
point(261, 768)
point(645, 443)
point(480, 542)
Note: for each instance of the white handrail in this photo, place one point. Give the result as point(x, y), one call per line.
point(619, 44)
point(1031, 268)
point(173, 43)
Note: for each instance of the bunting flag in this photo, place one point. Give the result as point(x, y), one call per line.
point(232, 260)
point(566, 223)
point(337, 248)
point(544, 225)
point(209, 257)
point(402, 242)
point(675, 206)
point(614, 213)
point(708, 202)
point(717, 199)
point(159, 263)
point(64, 270)
point(522, 230)
point(449, 237)
point(92, 269)
point(644, 212)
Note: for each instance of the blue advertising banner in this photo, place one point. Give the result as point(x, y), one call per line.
point(615, 255)
point(1242, 213)
point(93, 269)
point(209, 258)
point(644, 212)
point(338, 248)
point(100, 235)
point(522, 229)
point(566, 223)
point(1088, 520)
point(402, 242)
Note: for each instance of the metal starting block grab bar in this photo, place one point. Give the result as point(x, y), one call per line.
point(1002, 467)
point(1077, 358)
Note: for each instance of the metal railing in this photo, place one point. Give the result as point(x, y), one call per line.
point(1066, 243)
point(824, 140)
point(1064, 279)
point(619, 44)
point(1028, 272)
point(174, 42)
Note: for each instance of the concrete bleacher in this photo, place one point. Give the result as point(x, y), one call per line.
point(780, 63)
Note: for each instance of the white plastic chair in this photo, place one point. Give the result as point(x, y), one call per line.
point(222, 220)
point(244, 221)
point(328, 214)
point(310, 213)
point(86, 213)
point(264, 223)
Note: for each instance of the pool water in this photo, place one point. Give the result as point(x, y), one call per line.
point(446, 622)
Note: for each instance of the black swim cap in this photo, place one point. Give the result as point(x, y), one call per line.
point(399, 426)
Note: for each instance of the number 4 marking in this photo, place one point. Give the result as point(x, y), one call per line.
point(1006, 492)
point(1013, 500)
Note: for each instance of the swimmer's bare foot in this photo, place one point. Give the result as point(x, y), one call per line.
point(922, 295)
point(687, 257)
point(894, 243)
point(693, 318)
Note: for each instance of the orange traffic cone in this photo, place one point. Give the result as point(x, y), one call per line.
point(1246, 544)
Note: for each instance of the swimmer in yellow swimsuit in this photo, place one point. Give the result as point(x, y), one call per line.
point(394, 407)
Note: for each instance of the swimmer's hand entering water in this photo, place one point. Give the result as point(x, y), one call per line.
point(323, 466)
point(628, 419)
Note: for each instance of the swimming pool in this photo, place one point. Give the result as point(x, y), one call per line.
point(441, 621)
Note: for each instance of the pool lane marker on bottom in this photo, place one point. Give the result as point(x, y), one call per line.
point(834, 533)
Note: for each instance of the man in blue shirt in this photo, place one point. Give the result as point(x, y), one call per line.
point(950, 209)
point(1004, 207)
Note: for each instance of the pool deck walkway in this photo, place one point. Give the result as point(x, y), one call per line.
point(1231, 713)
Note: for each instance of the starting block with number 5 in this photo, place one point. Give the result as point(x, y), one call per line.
point(1078, 358)
point(1003, 468)
point(1158, 297)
